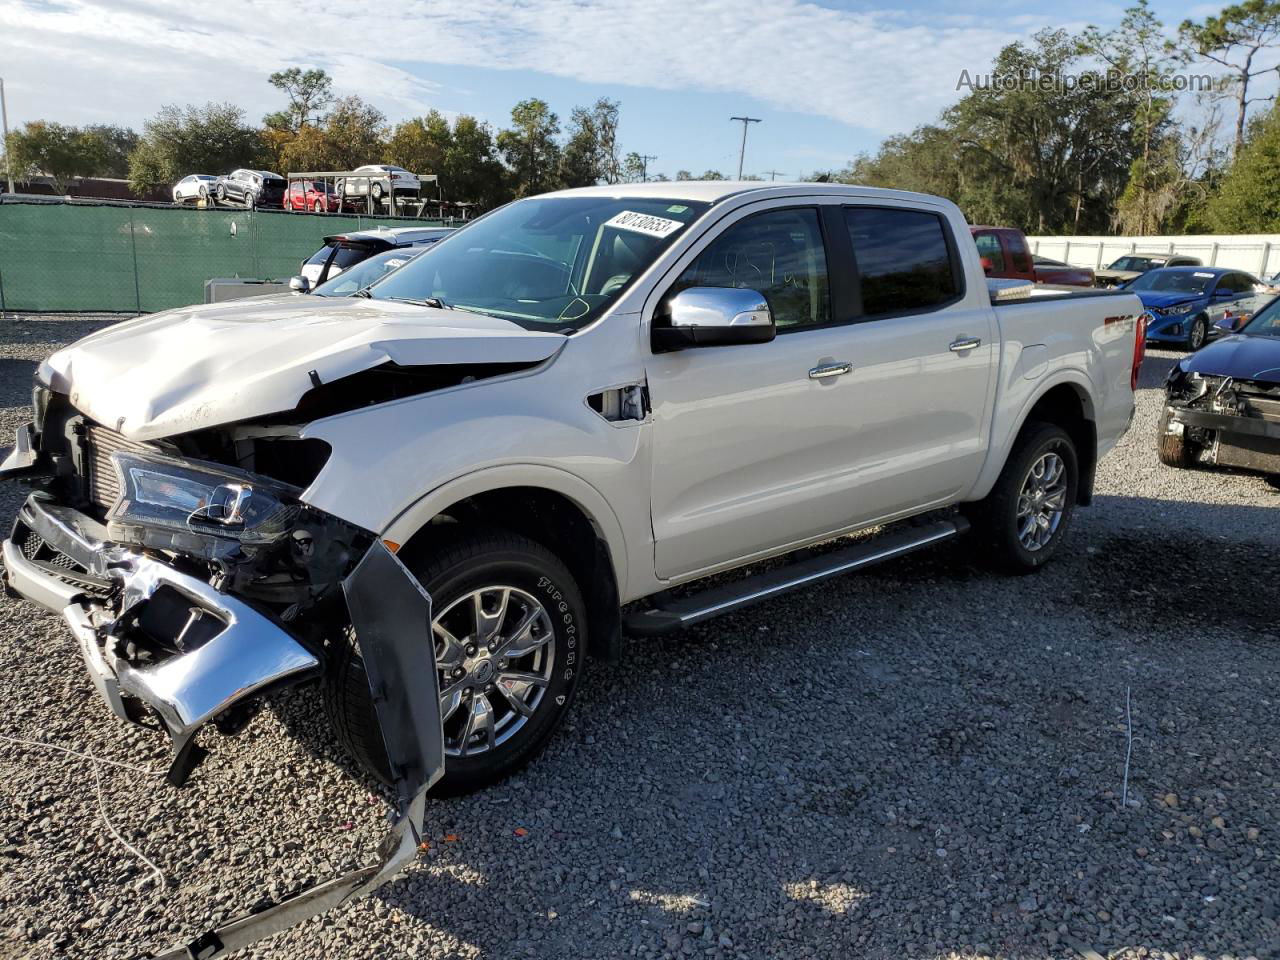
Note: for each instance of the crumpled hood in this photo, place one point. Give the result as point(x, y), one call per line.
point(1155, 298)
point(1239, 356)
point(206, 365)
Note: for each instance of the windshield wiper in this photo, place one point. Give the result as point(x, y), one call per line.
point(424, 302)
point(363, 292)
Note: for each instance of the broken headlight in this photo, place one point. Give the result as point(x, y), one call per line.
point(179, 500)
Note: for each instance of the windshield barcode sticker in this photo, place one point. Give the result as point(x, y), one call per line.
point(644, 223)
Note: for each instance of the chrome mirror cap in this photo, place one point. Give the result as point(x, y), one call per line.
point(714, 316)
point(299, 284)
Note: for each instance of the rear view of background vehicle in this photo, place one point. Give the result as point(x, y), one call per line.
point(369, 271)
point(1134, 265)
point(345, 250)
point(252, 188)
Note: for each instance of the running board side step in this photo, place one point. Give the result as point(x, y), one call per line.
point(687, 611)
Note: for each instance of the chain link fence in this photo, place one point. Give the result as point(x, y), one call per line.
point(75, 256)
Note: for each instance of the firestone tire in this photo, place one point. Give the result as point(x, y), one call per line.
point(476, 563)
point(998, 520)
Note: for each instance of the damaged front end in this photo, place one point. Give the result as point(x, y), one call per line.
point(193, 588)
point(1231, 422)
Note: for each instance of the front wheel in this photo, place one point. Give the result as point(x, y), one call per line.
point(1174, 449)
point(1022, 521)
point(1198, 333)
point(318, 207)
point(509, 633)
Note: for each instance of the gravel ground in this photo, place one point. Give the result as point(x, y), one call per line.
point(922, 761)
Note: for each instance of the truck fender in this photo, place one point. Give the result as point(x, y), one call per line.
point(585, 496)
point(1004, 431)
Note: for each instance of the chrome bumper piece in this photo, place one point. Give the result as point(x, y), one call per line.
point(247, 655)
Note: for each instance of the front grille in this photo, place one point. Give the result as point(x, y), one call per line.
point(104, 484)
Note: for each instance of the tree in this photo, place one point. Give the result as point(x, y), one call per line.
point(1247, 200)
point(49, 149)
point(472, 171)
point(355, 132)
point(529, 147)
point(309, 92)
point(420, 144)
point(183, 140)
point(61, 152)
point(110, 146)
point(1235, 39)
point(591, 151)
point(1138, 49)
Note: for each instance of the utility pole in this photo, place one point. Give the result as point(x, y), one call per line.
point(4, 126)
point(774, 174)
point(644, 167)
point(742, 152)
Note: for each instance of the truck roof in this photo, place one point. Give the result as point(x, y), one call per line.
point(713, 191)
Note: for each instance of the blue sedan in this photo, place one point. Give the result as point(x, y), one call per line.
point(1184, 303)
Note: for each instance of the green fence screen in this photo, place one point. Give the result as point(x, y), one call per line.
point(124, 258)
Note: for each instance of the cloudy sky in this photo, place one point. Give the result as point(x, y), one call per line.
point(828, 78)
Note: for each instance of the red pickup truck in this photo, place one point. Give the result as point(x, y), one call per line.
point(1005, 254)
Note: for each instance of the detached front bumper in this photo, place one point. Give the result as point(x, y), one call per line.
point(1243, 442)
point(158, 642)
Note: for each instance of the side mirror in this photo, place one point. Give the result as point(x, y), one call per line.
point(714, 317)
point(299, 284)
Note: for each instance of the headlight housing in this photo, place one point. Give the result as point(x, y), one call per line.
point(1180, 309)
point(196, 507)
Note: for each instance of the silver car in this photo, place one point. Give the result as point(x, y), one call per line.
point(195, 187)
point(383, 180)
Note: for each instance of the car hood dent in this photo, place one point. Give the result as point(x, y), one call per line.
point(1241, 357)
point(202, 366)
point(1165, 300)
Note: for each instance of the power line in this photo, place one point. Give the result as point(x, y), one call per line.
point(644, 166)
point(774, 174)
point(742, 152)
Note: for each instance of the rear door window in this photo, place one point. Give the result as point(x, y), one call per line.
point(904, 260)
point(1018, 252)
point(989, 247)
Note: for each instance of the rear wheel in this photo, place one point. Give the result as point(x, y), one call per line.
point(376, 190)
point(509, 633)
point(1022, 521)
point(319, 207)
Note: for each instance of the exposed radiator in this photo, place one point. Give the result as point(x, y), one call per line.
point(104, 484)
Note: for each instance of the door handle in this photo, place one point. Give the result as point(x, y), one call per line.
point(965, 343)
point(825, 370)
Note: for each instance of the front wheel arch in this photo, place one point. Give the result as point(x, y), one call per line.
point(554, 521)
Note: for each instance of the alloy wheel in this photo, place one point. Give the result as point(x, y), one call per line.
point(1042, 501)
point(494, 656)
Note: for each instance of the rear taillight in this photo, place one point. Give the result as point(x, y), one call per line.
point(1139, 349)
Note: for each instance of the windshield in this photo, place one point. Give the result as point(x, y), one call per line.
point(546, 262)
point(1266, 322)
point(366, 272)
point(1174, 281)
point(1139, 264)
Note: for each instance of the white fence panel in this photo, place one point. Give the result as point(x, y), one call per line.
point(1257, 253)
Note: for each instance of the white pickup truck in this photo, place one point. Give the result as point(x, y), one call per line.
point(443, 495)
